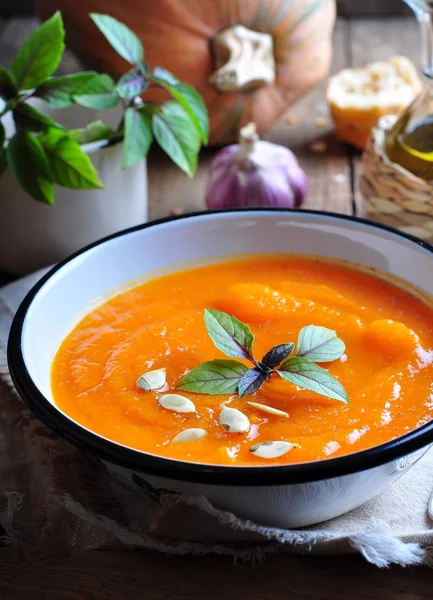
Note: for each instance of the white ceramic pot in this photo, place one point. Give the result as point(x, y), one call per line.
point(287, 495)
point(33, 235)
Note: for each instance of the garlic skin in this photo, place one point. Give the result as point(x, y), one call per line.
point(255, 173)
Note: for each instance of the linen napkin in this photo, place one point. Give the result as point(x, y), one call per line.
point(53, 495)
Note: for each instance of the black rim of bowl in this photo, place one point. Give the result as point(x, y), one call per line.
point(195, 472)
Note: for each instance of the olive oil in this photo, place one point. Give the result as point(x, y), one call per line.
point(409, 143)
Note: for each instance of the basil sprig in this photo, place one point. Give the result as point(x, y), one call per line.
point(42, 153)
point(235, 339)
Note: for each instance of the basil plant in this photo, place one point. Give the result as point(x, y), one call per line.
point(42, 153)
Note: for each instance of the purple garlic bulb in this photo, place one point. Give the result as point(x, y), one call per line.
point(255, 173)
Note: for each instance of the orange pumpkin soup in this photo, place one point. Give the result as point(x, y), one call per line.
point(386, 368)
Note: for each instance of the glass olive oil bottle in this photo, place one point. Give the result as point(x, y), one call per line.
point(409, 142)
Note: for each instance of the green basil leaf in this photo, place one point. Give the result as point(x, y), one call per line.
point(277, 354)
point(214, 377)
point(306, 374)
point(40, 54)
point(27, 117)
point(8, 89)
point(319, 344)
point(70, 166)
point(97, 85)
point(176, 136)
point(98, 130)
point(252, 381)
point(229, 335)
point(58, 92)
point(123, 40)
point(97, 93)
point(131, 84)
point(161, 74)
point(2, 134)
point(192, 103)
point(98, 101)
point(3, 160)
point(29, 164)
point(138, 136)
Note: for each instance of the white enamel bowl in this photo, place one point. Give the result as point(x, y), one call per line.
point(285, 496)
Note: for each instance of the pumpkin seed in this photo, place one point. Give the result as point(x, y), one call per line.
point(152, 380)
point(268, 409)
point(272, 449)
point(177, 403)
point(189, 435)
point(233, 420)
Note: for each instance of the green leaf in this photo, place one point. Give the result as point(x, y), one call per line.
point(252, 381)
point(3, 160)
point(70, 166)
point(132, 84)
point(8, 89)
point(40, 54)
point(97, 85)
point(30, 166)
point(58, 92)
point(174, 133)
point(214, 377)
point(319, 344)
point(229, 335)
point(27, 117)
point(98, 130)
point(277, 354)
point(192, 103)
point(306, 374)
point(138, 136)
point(161, 74)
point(97, 93)
point(98, 101)
point(123, 40)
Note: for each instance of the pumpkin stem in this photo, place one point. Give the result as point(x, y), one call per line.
point(244, 59)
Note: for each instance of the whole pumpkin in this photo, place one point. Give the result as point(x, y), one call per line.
point(249, 59)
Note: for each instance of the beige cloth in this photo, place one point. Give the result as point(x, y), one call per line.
point(52, 495)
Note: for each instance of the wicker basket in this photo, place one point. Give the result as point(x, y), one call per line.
point(393, 195)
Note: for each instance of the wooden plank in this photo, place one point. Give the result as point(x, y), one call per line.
point(376, 39)
point(154, 576)
point(372, 40)
point(328, 172)
point(373, 8)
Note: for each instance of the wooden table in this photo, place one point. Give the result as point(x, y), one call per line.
point(40, 575)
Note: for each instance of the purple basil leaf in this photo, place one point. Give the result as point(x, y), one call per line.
point(252, 381)
point(307, 375)
point(319, 344)
point(131, 84)
point(229, 335)
point(277, 354)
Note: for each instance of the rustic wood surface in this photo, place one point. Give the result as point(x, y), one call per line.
point(150, 576)
point(41, 575)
